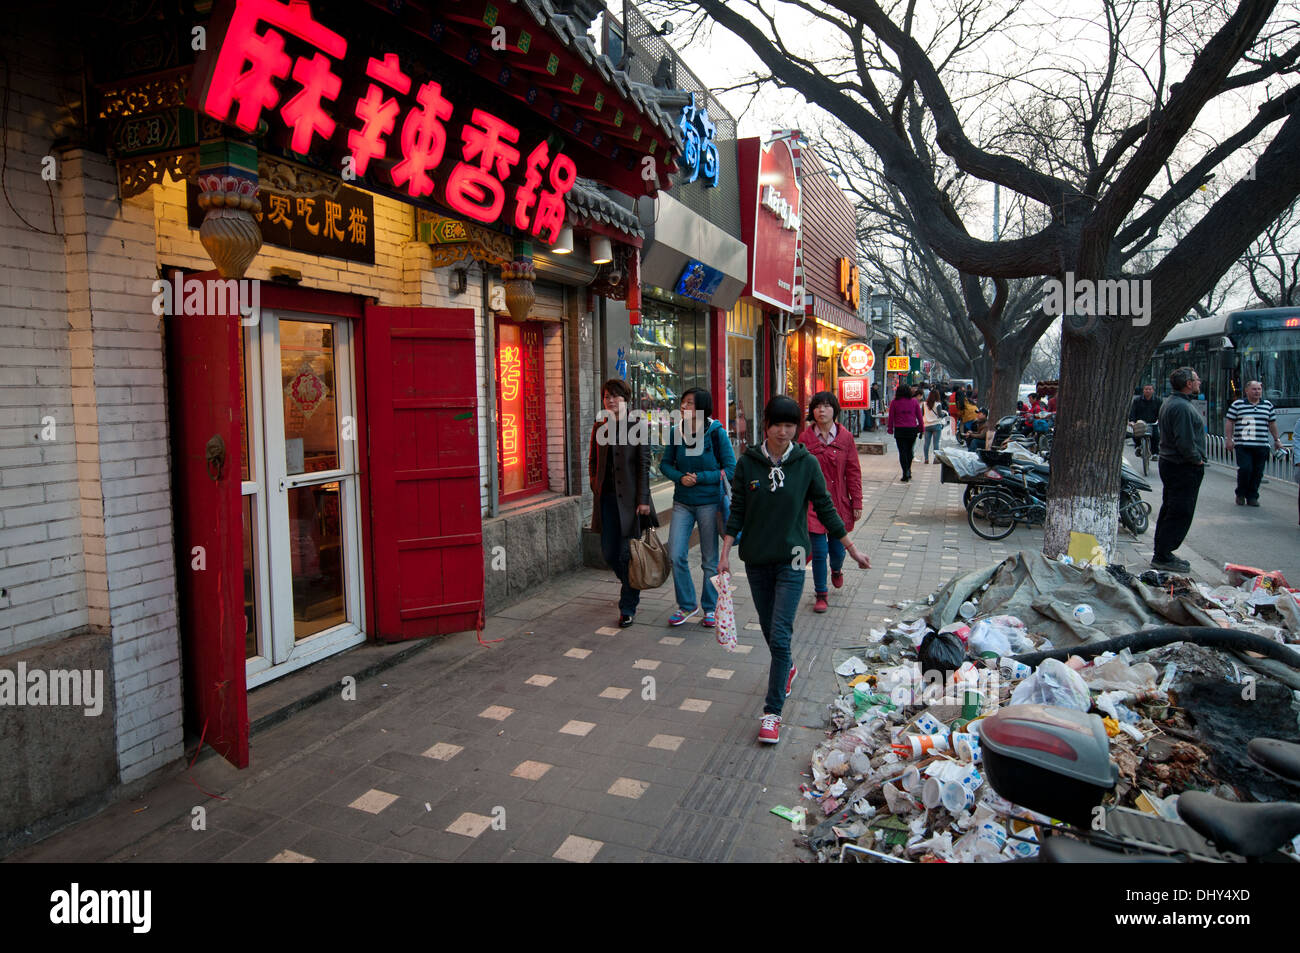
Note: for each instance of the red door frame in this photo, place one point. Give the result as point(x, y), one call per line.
point(343, 305)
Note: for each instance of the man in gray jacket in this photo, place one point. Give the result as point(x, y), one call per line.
point(1182, 467)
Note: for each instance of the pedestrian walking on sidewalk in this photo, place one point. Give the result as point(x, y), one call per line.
point(618, 467)
point(837, 452)
point(775, 481)
point(1182, 468)
point(905, 419)
point(1250, 431)
point(933, 420)
point(698, 458)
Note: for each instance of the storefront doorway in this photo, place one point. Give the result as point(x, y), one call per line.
point(300, 493)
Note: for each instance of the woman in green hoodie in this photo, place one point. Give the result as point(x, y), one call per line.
point(775, 481)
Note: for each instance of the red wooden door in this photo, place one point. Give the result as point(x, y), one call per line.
point(203, 383)
point(426, 522)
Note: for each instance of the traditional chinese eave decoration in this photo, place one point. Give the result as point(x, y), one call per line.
point(228, 187)
point(280, 175)
point(135, 176)
point(451, 240)
point(519, 277)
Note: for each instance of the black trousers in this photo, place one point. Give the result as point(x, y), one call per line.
point(905, 437)
point(1182, 484)
point(1250, 470)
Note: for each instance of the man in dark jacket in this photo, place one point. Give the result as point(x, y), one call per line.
point(1182, 467)
point(1147, 409)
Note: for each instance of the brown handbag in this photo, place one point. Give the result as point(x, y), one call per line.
point(648, 566)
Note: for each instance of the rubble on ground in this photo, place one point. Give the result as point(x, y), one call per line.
point(899, 775)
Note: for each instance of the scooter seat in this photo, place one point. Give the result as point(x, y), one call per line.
point(1280, 757)
point(1066, 850)
point(1251, 830)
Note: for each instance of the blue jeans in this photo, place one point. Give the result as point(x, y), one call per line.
point(613, 546)
point(932, 435)
point(776, 589)
point(822, 546)
point(685, 518)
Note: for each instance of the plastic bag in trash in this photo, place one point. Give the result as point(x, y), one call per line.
point(725, 611)
point(941, 652)
point(1053, 683)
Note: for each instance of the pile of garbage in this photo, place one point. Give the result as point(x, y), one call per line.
point(900, 775)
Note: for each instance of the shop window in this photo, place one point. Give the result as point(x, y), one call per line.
point(668, 356)
point(521, 410)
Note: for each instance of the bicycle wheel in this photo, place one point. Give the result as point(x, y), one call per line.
point(992, 514)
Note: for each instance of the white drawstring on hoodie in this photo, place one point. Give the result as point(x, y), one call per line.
point(777, 474)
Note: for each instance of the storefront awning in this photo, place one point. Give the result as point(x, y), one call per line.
point(828, 312)
point(678, 238)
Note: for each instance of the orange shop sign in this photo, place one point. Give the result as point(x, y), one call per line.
point(900, 364)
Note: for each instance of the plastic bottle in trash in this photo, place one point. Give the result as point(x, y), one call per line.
point(1083, 614)
point(967, 610)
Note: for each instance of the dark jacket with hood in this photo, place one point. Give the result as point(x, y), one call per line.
point(770, 503)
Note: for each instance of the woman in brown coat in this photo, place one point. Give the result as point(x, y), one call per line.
point(618, 467)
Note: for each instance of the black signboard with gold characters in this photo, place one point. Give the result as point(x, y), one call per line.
point(342, 226)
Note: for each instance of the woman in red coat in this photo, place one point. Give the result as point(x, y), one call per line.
point(836, 451)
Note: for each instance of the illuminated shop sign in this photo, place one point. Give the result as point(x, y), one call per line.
point(510, 365)
point(850, 283)
point(900, 365)
point(853, 393)
point(406, 132)
point(857, 360)
point(699, 151)
point(698, 281)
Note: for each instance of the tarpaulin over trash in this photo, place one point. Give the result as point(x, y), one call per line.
point(1043, 593)
point(902, 775)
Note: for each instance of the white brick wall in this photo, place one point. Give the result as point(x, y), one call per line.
point(40, 541)
point(123, 456)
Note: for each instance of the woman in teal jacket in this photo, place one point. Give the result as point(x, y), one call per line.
point(698, 457)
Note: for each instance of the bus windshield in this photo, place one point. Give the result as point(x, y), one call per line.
point(1273, 359)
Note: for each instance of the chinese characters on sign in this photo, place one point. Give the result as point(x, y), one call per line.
point(510, 375)
point(857, 360)
point(699, 151)
point(901, 364)
point(340, 227)
point(853, 393)
point(479, 157)
point(850, 289)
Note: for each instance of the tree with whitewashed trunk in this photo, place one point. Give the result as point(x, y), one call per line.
point(1160, 135)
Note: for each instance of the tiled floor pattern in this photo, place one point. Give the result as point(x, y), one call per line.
point(624, 744)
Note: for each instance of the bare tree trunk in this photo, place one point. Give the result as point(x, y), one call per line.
point(1098, 371)
point(1008, 365)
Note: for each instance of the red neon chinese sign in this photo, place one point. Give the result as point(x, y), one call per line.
point(250, 66)
point(510, 366)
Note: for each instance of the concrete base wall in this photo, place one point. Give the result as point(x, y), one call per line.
point(525, 547)
point(54, 758)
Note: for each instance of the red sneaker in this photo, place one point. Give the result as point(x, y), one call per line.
point(837, 580)
point(769, 730)
point(821, 605)
point(790, 681)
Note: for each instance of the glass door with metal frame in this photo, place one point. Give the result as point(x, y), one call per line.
point(302, 554)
